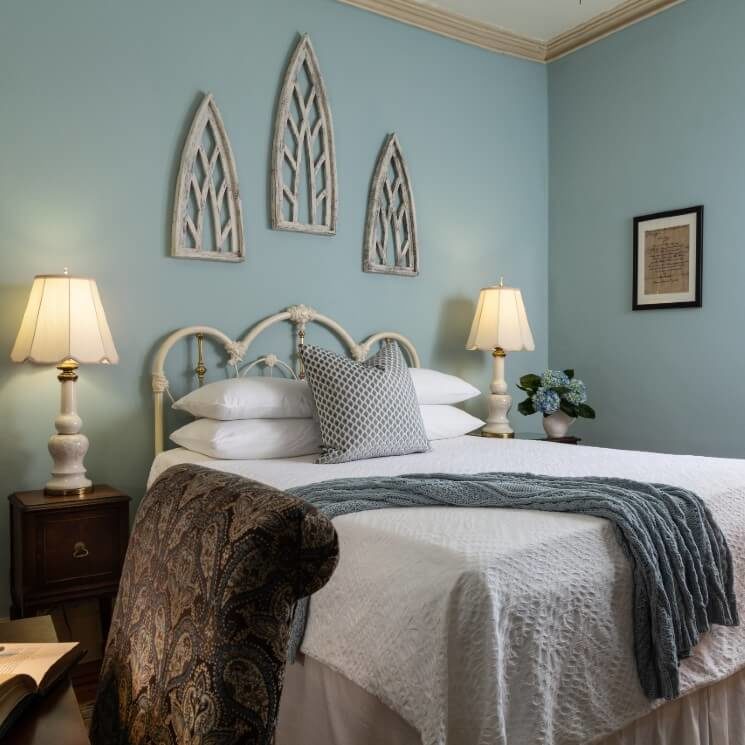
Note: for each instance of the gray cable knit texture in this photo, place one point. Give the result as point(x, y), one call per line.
point(682, 566)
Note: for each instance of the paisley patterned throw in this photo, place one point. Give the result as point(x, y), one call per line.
point(198, 641)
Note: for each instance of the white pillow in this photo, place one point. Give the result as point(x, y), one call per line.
point(433, 387)
point(250, 439)
point(442, 422)
point(250, 398)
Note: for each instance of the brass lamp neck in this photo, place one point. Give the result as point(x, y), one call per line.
point(67, 370)
point(498, 352)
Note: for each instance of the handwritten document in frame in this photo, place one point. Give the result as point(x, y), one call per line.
point(668, 259)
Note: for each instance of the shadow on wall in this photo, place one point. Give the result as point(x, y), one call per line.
point(15, 463)
point(450, 353)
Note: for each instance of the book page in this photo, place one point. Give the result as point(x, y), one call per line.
point(31, 659)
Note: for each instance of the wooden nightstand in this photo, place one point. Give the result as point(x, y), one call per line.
point(66, 549)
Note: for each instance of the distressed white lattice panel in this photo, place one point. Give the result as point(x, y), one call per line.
point(304, 186)
point(207, 193)
point(390, 244)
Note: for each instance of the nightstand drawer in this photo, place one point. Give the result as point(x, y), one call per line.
point(75, 547)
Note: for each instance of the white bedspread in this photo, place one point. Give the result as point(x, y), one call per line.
point(497, 626)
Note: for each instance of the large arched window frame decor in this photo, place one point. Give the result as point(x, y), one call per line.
point(304, 184)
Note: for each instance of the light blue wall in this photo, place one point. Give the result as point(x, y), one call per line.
point(651, 119)
point(96, 97)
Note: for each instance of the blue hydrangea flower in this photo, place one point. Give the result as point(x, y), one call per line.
point(546, 401)
point(554, 379)
point(577, 392)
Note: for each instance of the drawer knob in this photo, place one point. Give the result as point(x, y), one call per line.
point(80, 550)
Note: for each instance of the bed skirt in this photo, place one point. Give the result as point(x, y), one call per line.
point(321, 707)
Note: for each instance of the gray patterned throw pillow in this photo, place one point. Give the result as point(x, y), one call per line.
point(365, 409)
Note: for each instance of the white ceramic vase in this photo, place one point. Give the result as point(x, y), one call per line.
point(557, 425)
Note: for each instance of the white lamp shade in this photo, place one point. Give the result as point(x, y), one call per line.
point(64, 320)
point(500, 321)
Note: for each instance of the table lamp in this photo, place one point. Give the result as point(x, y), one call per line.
point(500, 325)
point(65, 325)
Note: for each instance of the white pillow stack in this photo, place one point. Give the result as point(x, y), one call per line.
point(262, 417)
point(436, 393)
point(249, 419)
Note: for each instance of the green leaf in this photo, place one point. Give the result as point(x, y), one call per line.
point(530, 382)
point(526, 407)
point(585, 411)
point(569, 373)
point(569, 409)
point(562, 390)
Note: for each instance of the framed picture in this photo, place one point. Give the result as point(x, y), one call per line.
point(668, 259)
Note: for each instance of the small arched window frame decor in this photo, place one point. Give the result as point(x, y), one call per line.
point(391, 245)
point(304, 185)
point(207, 193)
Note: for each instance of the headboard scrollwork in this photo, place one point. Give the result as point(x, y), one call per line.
point(298, 315)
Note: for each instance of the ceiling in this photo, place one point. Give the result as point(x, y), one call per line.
point(539, 30)
point(537, 19)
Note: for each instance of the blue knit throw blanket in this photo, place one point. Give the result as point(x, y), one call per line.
point(681, 563)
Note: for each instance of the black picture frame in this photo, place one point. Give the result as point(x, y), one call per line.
point(697, 300)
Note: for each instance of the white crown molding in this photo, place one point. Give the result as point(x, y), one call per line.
point(455, 26)
point(605, 24)
point(502, 41)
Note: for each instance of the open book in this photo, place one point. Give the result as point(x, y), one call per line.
point(28, 669)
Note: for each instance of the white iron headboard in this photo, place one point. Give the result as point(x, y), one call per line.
point(298, 315)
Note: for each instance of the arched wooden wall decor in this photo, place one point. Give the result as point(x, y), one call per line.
point(304, 186)
point(390, 243)
point(207, 174)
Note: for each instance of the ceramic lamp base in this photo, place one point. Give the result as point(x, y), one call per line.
point(497, 423)
point(499, 401)
point(68, 471)
point(68, 447)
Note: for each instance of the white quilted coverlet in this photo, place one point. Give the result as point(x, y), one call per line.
point(503, 627)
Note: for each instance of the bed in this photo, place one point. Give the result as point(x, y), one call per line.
point(460, 626)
